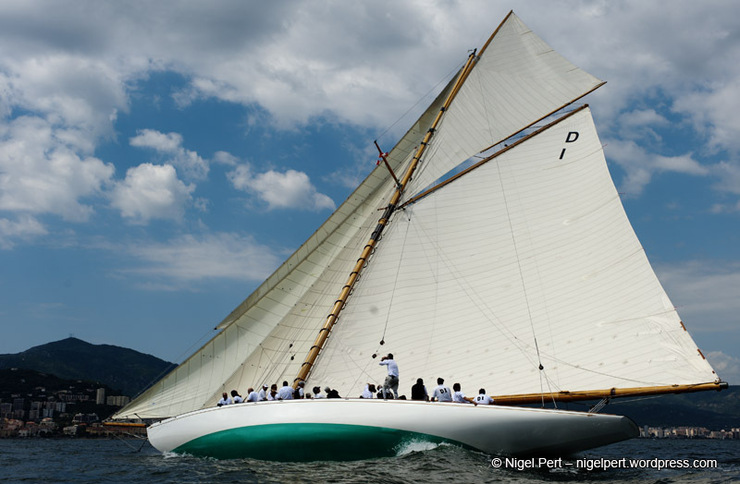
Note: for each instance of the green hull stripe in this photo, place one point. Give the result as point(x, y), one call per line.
point(302, 442)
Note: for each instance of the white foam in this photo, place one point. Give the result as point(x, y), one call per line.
point(416, 446)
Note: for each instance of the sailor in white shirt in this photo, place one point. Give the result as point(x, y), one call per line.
point(263, 392)
point(253, 396)
point(225, 400)
point(442, 393)
point(482, 398)
point(369, 391)
point(236, 397)
point(317, 392)
point(285, 392)
point(391, 381)
point(459, 396)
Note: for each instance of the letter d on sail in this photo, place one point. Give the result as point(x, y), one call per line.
point(572, 136)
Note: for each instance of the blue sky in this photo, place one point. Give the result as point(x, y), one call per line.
point(159, 159)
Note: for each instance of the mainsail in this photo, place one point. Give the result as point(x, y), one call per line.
point(526, 260)
point(523, 275)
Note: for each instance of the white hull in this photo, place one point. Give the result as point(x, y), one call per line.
point(342, 429)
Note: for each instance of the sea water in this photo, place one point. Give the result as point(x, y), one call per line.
point(112, 461)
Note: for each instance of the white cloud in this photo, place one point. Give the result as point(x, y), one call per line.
point(706, 293)
point(69, 90)
point(219, 255)
point(726, 366)
point(713, 111)
point(151, 192)
point(149, 138)
point(40, 173)
point(76, 65)
point(728, 175)
point(224, 158)
point(191, 165)
point(291, 189)
point(640, 165)
point(26, 227)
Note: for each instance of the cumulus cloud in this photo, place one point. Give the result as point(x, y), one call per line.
point(290, 189)
point(217, 255)
point(726, 366)
point(705, 291)
point(151, 192)
point(337, 61)
point(41, 173)
point(189, 162)
point(705, 294)
point(640, 165)
point(26, 227)
point(713, 112)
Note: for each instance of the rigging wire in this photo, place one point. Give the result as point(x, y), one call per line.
point(521, 276)
point(477, 299)
point(434, 88)
point(395, 281)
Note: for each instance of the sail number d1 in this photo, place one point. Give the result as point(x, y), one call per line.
point(572, 136)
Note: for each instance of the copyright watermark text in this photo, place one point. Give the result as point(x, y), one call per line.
point(600, 463)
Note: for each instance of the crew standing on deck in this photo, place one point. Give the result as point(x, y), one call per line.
point(391, 381)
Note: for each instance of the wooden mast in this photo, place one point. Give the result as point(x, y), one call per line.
point(392, 205)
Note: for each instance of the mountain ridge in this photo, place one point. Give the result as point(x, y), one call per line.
point(123, 369)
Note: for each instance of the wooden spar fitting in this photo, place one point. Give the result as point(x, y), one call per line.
point(610, 393)
point(331, 319)
point(382, 156)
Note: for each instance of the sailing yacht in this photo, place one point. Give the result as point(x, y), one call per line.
point(489, 248)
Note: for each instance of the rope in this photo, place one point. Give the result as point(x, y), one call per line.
point(476, 299)
point(423, 97)
point(144, 440)
point(521, 276)
point(395, 282)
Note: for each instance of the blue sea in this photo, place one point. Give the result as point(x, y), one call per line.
point(112, 461)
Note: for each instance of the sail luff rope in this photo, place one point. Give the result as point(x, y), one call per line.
point(369, 247)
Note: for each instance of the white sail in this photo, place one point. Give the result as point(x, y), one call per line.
point(532, 245)
point(517, 80)
point(529, 251)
